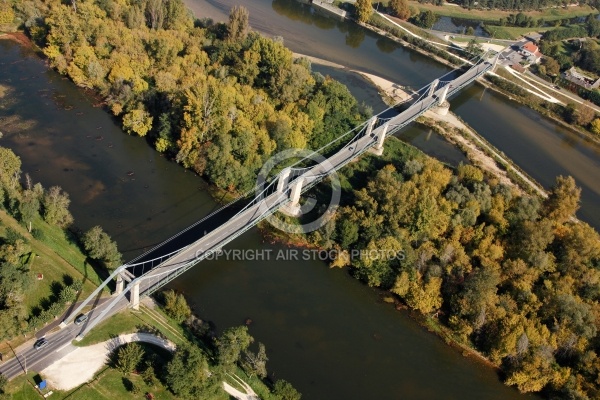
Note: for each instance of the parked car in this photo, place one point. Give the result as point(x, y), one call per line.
point(40, 344)
point(81, 318)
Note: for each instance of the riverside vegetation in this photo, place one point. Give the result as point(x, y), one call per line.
point(44, 218)
point(512, 275)
point(217, 98)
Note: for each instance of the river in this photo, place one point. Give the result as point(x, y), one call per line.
point(541, 147)
point(328, 334)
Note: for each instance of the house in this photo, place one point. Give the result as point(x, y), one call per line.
point(531, 52)
point(572, 75)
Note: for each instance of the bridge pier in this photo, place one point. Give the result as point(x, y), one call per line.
point(134, 300)
point(378, 148)
point(293, 207)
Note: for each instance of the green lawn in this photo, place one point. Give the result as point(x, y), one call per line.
point(494, 15)
point(124, 322)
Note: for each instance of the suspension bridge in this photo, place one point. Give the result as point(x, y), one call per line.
point(145, 277)
point(146, 273)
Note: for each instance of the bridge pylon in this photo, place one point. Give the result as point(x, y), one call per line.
point(381, 134)
point(293, 207)
point(283, 179)
point(134, 298)
point(433, 87)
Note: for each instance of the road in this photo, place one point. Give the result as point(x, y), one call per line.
point(59, 345)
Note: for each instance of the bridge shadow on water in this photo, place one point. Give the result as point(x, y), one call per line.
point(187, 236)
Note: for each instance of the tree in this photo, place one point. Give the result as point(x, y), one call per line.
point(10, 170)
point(128, 357)
point(425, 19)
point(400, 9)
point(149, 375)
point(563, 200)
point(238, 26)
point(364, 10)
point(595, 126)
point(29, 206)
point(56, 207)
point(256, 363)
point(137, 121)
point(232, 343)
point(187, 372)
point(475, 48)
point(176, 306)
point(285, 391)
point(552, 66)
point(3, 383)
point(99, 246)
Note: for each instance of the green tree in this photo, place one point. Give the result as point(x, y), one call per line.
point(128, 357)
point(232, 343)
point(176, 306)
point(29, 205)
point(364, 10)
point(400, 9)
point(99, 246)
point(552, 66)
point(149, 375)
point(285, 391)
point(3, 383)
point(56, 207)
point(187, 372)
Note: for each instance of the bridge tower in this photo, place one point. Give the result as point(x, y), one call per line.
point(433, 87)
point(381, 133)
point(443, 105)
point(293, 207)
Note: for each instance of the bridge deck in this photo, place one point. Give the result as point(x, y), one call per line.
point(240, 223)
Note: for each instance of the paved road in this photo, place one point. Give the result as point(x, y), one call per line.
point(59, 344)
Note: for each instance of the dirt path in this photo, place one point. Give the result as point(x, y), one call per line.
point(81, 364)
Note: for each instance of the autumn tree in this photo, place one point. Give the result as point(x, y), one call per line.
point(56, 207)
point(364, 10)
point(400, 9)
point(238, 26)
point(563, 200)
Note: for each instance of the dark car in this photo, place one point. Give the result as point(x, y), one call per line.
point(40, 344)
point(81, 319)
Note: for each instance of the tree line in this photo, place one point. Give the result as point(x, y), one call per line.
point(216, 97)
point(510, 274)
point(33, 205)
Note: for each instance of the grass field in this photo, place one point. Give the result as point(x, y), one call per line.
point(550, 14)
